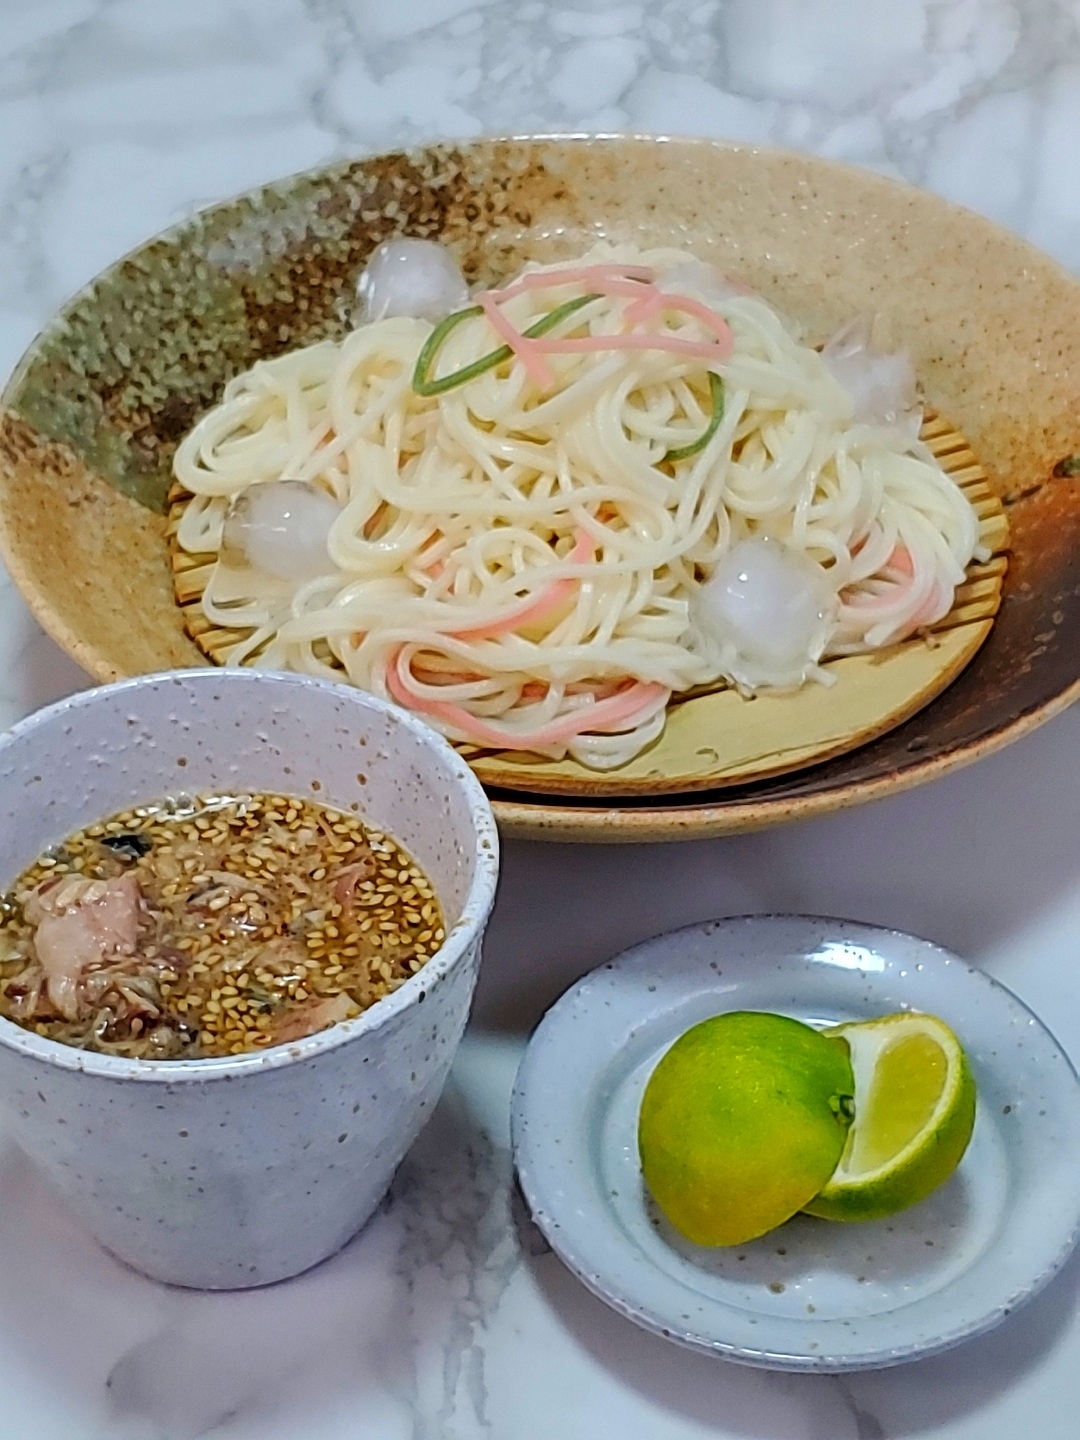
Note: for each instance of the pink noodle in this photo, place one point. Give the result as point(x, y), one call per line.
point(646, 303)
point(645, 307)
point(541, 604)
point(935, 607)
point(901, 560)
point(538, 371)
point(617, 710)
point(700, 311)
point(902, 563)
point(579, 274)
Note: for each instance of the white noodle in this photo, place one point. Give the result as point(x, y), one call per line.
point(460, 508)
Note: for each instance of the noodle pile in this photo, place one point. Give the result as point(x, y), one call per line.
point(520, 548)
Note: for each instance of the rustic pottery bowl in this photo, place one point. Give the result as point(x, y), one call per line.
point(93, 413)
point(237, 1171)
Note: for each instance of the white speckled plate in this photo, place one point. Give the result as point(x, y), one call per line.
point(811, 1295)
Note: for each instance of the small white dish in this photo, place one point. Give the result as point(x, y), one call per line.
point(812, 1295)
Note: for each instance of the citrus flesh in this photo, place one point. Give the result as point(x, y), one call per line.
point(742, 1123)
point(914, 1114)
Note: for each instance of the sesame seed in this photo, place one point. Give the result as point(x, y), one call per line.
point(242, 888)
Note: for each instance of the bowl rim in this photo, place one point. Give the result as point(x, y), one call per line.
point(463, 935)
point(577, 824)
point(522, 815)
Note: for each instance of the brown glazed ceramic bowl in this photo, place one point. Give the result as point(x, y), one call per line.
point(93, 412)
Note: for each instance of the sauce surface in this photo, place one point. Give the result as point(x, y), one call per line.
point(213, 925)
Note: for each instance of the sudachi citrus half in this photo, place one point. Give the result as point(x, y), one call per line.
point(742, 1123)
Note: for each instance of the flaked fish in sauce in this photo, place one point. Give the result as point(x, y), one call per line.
point(212, 926)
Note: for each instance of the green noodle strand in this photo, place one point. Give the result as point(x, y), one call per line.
point(716, 392)
point(423, 385)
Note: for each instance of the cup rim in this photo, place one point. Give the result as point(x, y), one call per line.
point(465, 931)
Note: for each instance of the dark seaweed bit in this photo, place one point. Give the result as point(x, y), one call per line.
point(130, 846)
point(1069, 466)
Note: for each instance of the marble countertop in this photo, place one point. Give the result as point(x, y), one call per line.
point(446, 1319)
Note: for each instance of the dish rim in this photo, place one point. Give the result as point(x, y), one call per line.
point(610, 824)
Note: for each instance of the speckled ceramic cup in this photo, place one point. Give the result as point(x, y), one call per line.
point(224, 1173)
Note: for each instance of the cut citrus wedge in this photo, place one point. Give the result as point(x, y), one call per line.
point(914, 1114)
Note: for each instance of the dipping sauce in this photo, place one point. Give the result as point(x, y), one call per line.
point(213, 925)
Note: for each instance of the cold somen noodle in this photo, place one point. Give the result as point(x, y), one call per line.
point(538, 520)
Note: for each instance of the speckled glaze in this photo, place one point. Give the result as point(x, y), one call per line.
point(93, 413)
point(226, 1173)
point(810, 1295)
